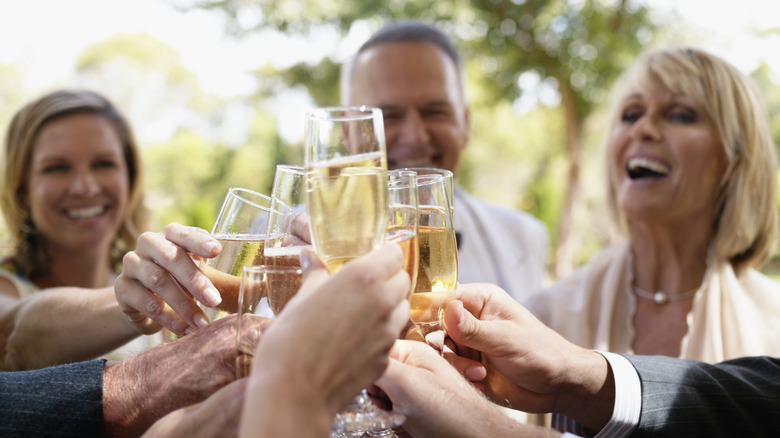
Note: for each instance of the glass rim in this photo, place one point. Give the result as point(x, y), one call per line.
point(446, 173)
point(271, 269)
point(362, 112)
point(292, 167)
point(430, 179)
point(402, 179)
point(239, 192)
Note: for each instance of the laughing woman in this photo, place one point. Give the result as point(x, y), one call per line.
point(692, 178)
point(73, 206)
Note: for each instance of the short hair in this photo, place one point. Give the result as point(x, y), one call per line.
point(745, 222)
point(404, 31)
point(30, 253)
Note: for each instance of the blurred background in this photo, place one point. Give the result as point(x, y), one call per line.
point(216, 89)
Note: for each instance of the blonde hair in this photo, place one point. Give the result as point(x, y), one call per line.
point(30, 253)
point(745, 223)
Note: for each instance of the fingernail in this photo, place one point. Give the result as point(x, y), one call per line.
point(200, 321)
point(306, 259)
point(476, 373)
point(210, 246)
point(212, 297)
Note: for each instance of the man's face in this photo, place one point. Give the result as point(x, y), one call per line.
point(418, 89)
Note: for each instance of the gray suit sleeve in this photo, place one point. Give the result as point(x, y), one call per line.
point(61, 401)
point(740, 397)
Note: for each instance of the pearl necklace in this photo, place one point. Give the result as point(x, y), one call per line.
point(661, 298)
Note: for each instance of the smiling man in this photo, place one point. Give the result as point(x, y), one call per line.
point(413, 72)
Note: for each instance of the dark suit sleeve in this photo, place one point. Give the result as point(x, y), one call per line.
point(736, 398)
point(61, 401)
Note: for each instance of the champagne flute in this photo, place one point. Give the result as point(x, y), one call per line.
point(403, 219)
point(346, 168)
point(287, 234)
point(258, 282)
point(346, 198)
point(437, 275)
point(241, 227)
point(449, 181)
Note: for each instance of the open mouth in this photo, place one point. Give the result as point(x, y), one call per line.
point(86, 213)
point(643, 167)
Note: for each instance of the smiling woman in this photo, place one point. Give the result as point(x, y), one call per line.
point(73, 204)
point(692, 182)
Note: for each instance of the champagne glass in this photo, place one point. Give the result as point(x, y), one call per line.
point(287, 235)
point(402, 219)
point(241, 227)
point(437, 274)
point(278, 283)
point(346, 168)
point(449, 181)
point(346, 198)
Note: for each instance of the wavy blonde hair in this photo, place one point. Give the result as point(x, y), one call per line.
point(745, 223)
point(30, 257)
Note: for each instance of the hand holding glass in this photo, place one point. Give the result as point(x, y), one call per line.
point(241, 228)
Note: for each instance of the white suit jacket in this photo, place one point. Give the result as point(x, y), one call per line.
point(499, 245)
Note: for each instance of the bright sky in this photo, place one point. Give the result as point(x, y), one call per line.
point(44, 37)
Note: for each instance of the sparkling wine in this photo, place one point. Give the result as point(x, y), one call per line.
point(224, 270)
point(347, 207)
point(281, 287)
point(438, 267)
point(437, 274)
point(428, 307)
point(407, 239)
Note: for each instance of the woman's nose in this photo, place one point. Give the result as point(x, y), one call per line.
point(646, 128)
point(85, 183)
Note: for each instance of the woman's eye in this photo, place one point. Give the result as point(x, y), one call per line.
point(106, 164)
point(682, 116)
point(55, 168)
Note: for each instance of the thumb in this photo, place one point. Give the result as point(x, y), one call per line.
point(314, 271)
point(464, 328)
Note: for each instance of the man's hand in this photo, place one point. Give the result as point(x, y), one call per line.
point(438, 402)
point(143, 388)
point(160, 280)
point(330, 341)
point(218, 415)
point(528, 366)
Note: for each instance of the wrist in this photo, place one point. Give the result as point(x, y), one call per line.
point(588, 396)
point(122, 411)
point(281, 401)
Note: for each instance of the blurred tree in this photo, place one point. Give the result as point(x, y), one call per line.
point(12, 94)
point(771, 93)
point(575, 47)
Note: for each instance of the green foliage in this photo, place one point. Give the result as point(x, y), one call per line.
point(770, 90)
point(11, 94)
point(180, 176)
point(187, 177)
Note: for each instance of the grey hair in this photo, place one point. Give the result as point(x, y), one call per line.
point(405, 31)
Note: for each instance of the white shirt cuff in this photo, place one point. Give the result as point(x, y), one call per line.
point(628, 398)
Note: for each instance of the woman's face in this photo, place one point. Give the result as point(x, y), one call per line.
point(78, 186)
point(666, 158)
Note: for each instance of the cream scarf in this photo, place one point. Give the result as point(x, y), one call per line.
point(731, 316)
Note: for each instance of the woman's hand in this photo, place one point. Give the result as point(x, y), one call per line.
point(160, 280)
